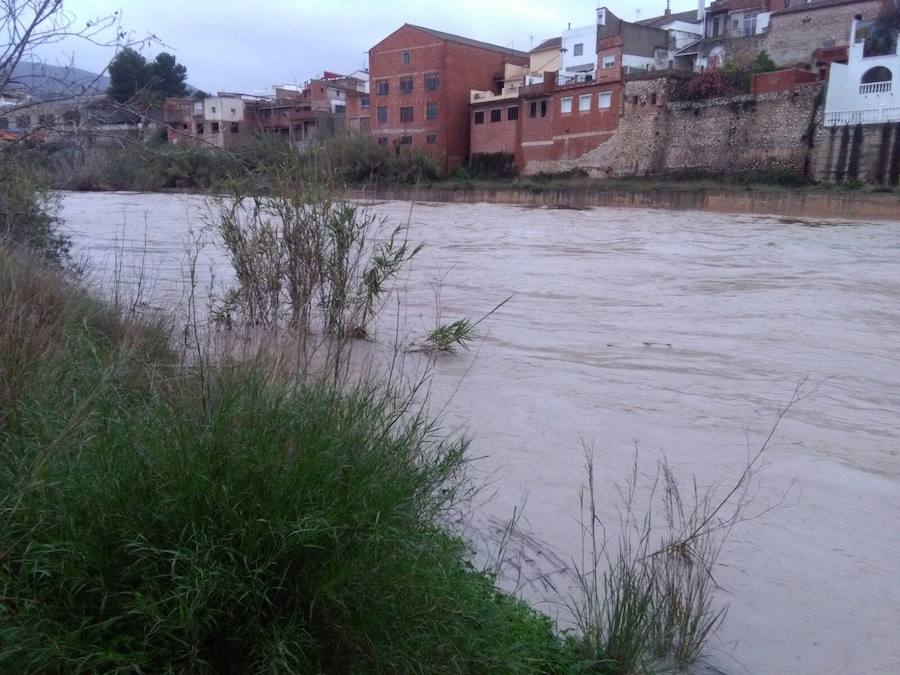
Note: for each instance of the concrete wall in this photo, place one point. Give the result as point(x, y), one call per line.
point(864, 152)
point(787, 203)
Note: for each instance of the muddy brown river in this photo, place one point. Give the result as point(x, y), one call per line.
point(677, 333)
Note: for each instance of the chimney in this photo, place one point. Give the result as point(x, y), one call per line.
point(668, 11)
point(701, 10)
point(549, 80)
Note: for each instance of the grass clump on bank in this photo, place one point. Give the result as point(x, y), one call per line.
point(154, 525)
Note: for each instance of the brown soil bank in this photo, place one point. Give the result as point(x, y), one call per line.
point(798, 203)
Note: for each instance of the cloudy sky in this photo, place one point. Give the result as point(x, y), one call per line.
point(248, 46)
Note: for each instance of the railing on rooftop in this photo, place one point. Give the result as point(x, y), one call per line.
point(866, 116)
point(875, 87)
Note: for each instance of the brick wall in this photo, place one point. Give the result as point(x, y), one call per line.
point(577, 139)
point(491, 136)
point(642, 138)
point(781, 80)
point(459, 67)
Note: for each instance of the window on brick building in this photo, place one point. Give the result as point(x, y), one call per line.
point(406, 85)
point(382, 114)
point(532, 109)
point(543, 108)
point(479, 117)
point(496, 115)
point(634, 100)
point(235, 128)
point(405, 57)
point(199, 128)
point(406, 140)
point(652, 99)
point(364, 102)
point(4, 123)
point(609, 61)
point(215, 128)
point(382, 88)
point(584, 102)
point(406, 114)
point(512, 113)
point(578, 50)
point(431, 111)
point(431, 139)
point(604, 99)
point(382, 140)
point(431, 82)
point(565, 105)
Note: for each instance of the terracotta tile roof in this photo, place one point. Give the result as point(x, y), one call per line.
point(552, 43)
point(469, 42)
point(659, 21)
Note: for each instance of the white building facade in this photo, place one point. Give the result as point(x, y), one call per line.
point(865, 90)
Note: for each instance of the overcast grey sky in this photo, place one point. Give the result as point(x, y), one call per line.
point(248, 46)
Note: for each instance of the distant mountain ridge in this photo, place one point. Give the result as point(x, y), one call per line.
point(43, 80)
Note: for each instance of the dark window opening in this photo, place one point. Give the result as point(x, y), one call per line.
point(382, 88)
point(235, 128)
point(199, 129)
point(479, 117)
point(406, 114)
point(4, 123)
point(496, 115)
point(532, 110)
point(634, 100)
point(652, 99)
point(406, 140)
point(215, 127)
point(431, 139)
point(543, 108)
point(512, 114)
point(405, 57)
point(431, 111)
point(382, 114)
point(364, 102)
point(382, 140)
point(431, 82)
point(406, 85)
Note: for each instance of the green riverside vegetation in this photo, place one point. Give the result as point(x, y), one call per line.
point(198, 512)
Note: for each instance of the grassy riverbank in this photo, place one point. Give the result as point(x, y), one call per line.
point(159, 518)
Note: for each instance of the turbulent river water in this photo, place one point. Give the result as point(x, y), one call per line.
point(676, 333)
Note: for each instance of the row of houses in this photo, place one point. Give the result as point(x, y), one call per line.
point(600, 95)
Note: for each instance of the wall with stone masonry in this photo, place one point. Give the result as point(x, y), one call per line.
point(750, 133)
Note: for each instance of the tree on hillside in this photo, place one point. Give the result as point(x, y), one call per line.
point(127, 75)
point(166, 77)
point(132, 79)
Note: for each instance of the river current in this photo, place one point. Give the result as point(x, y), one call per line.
point(666, 333)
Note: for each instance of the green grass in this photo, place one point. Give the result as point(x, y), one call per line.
point(151, 524)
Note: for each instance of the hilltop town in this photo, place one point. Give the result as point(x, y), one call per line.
point(768, 87)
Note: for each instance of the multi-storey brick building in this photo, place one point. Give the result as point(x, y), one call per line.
point(421, 79)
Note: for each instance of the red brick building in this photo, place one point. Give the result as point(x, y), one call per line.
point(420, 81)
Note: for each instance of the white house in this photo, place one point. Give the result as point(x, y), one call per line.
point(579, 51)
point(865, 90)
